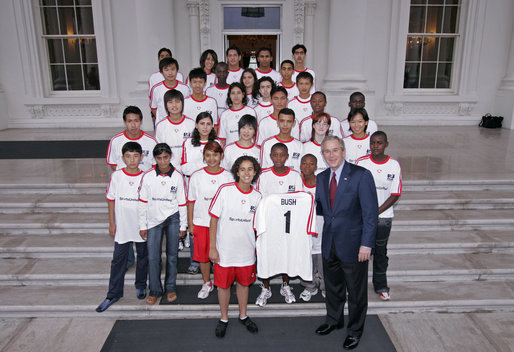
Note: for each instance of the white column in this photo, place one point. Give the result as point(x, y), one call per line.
point(4, 115)
point(310, 8)
point(504, 102)
point(194, 31)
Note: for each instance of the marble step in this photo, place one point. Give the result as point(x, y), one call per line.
point(72, 301)
point(402, 268)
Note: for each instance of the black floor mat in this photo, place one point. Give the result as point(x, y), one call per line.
point(53, 149)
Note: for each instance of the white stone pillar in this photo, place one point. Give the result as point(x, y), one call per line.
point(310, 8)
point(4, 115)
point(194, 31)
point(504, 102)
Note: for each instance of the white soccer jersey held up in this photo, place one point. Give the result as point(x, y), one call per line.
point(285, 224)
point(292, 91)
point(161, 196)
point(388, 179)
point(229, 123)
point(316, 241)
point(306, 128)
point(203, 185)
point(123, 191)
point(193, 107)
point(294, 149)
point(220, 95)
point(269, 182)
point(174, 134)
point(147, 143)
point(234, 151)
point(235, 239)
point(301, 107)
point(275, 75)
point(268, 127)
point(356, 147)
point(345, 128)
point(157, 98)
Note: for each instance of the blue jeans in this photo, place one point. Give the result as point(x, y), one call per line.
point(380, 258)
point(119, 267)
point(170, 228)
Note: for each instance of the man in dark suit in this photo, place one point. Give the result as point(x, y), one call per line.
point(347, 199)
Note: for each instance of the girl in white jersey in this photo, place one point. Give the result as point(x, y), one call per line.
point(388, 181)
point(203, 185)
point(320, 127)
point(357, 144)
point(245, 145)
point(249, 81)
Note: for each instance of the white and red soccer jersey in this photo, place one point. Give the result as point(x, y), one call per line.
point(235, 239)
point(192, 157)
point(123, 191)
point(203, 185)
point(296, 72)
point(292, 91)
point(301, 107)
point(268, 127)
point(147, 143)
point(234, 75)
point(210, 81)
point(174, 134)
point(262, 110)
point(275, 75)
point(229, 123)
point(294, 149)
point(316, 241)
point(157, 97)
point(160, 196)
point(388, 179)
point(234, 151)
point(269, 182)
point(251, 102)
point(345, 128)
point(306, 128)
point(157, 77)
point(193, 107)
point(220, 95)
point(356, 147)
point(284, 224)
point(314, 148)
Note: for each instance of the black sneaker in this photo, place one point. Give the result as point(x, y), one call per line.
point(250, 325)
point(106, 304)
point(221, 329)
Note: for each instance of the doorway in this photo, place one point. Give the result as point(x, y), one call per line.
point(251, 43)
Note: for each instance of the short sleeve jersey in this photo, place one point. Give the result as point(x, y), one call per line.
point(235, 239)
point(268, 127)
point(203, 185)
point(262, 110)
point(123, 191)
point(157, 97)
point(356, 147)
point(234, 151)
point(229, 120)
point(388, 179)
point(306, 128)
point(220, 95)
point(314, 148)
point(275, 75)
point(296, 72)
point(234, 75)
point(192, 157)
point(117, 142)
point(294, 149)
point(270, 182)
point(284, 224)
point(174, 134)
point(193, 107)
point(301, 107)
point(292, 91)
point(157, 77)
point(345, 128)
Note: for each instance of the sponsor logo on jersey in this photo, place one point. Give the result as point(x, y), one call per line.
point(243, 201)
point(213, 181)
point(296, 155)
point(173, 189)
point(281, 182)
point(146, 153)
point(390, 177)
point(187, 134)
point(285, 201)
point(252, 209)
point(163, 183)
point(291, 188)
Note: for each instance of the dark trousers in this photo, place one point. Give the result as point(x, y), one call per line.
point(340, 277)
point(380, 258)
point(119, 267)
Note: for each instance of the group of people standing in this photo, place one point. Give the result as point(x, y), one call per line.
point(227, 141)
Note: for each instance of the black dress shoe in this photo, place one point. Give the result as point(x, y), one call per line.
point(351, 342)
point(325, 329)
point(106, 304)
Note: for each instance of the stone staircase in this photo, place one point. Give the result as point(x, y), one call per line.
point(451, 250)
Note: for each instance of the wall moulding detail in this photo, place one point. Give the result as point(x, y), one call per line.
point(71, 111)
point(425, 108)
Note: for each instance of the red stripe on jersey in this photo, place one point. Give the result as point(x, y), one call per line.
point(144, 201)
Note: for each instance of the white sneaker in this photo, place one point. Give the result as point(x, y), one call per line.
point(207, 288)
point(285, 291)
point(385, 296)
point(306, 295)
point(180, 245)
point(263, 297)
point(187, 241)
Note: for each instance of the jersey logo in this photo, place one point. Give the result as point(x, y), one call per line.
point(390, 177)
point(187, 134)
point(379, 170)
point(131, 183)
point(296, 155)
point(243, 201)
point(252, 209)
point(173, 189)
point(281, 182)
point(163, 183)
point(176, 130)
point(213, 181)
point(359, 146)
point(146, 153)
point(292, 188)
point(198, 107)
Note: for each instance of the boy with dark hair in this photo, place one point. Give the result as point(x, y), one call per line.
point(233, 59)
point(219, 91)
point(264, 58)
point(285, 123)
point(122, 196)
point(132, 118)
point(169, 69)
point(299, 52)
point(301, 103)
point(247, 128)
point(157, 77)
point(318, 104)
point(198, 102)
point(357, 101)
point(162, 209)
point(264, 108)
point(268, 126)
point(286, 70)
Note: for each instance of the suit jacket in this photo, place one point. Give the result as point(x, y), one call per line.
point(353, 221)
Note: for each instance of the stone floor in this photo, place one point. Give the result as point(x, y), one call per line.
point(427, 154)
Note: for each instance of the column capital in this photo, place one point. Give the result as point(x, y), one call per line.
point(193, 7)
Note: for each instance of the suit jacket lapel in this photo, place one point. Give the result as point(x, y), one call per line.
point(343, 182)
point(324, 177)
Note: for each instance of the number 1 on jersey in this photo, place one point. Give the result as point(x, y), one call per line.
point(288, 221)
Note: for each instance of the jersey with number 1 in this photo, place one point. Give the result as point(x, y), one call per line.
point(284, 224)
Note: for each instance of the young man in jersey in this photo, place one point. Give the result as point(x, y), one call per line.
point(122, 195)
point(285, 123)
point(286, 70)
point(233, 60)
point(299, 52)
point(157, 77)
point(268, 126)
point(357, 101)
point(275, 180)
point(318, 104)
point(219, 90)
point(264, 108)
point(301, 104)
point(198, 102)
point(264, 59)
point(169, 69)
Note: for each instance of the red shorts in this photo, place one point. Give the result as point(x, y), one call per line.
point(224, 277)
point(201, 244)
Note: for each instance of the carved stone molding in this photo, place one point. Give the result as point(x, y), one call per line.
point(193, 7)
point(310, 8)
point(73, 111)
point(429, 108)
point(205, 28)
point(299, 16)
